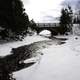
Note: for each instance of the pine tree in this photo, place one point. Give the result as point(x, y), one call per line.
point(33, 24)
point(70, 19)
point(5, 13)
point(21, 19)
point(63, 22)
point(66, 20)
point(6, 16)
point(13, 17)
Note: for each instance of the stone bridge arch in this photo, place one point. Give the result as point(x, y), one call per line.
point(51, 29)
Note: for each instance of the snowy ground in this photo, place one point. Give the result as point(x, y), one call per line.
point(59, 62)
point(6, 47)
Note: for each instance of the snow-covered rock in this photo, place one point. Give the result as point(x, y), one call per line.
point(45, 33)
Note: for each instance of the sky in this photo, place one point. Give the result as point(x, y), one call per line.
point(44, 10)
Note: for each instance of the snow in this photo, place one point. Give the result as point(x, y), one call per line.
point(45, 33)
point(76, 29)
point(6, 47)
point(59, 62)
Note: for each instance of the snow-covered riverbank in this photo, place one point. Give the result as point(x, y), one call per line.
point(59, 62)
point(6, 47)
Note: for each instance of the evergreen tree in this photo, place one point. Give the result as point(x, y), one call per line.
point(33, 24)
point(70, 19)
point(21, 19)
point(66, 20)
point(63, 26)
point(5, 13)
point(13, 16)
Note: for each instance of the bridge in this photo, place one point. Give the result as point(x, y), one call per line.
point(52, 27)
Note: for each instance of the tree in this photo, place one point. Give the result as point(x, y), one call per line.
point(66, 20)
point(13, 16)
point(33, 24)
point(21, 19)
point(6, 13)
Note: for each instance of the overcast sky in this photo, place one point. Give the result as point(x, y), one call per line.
point(44, 10)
